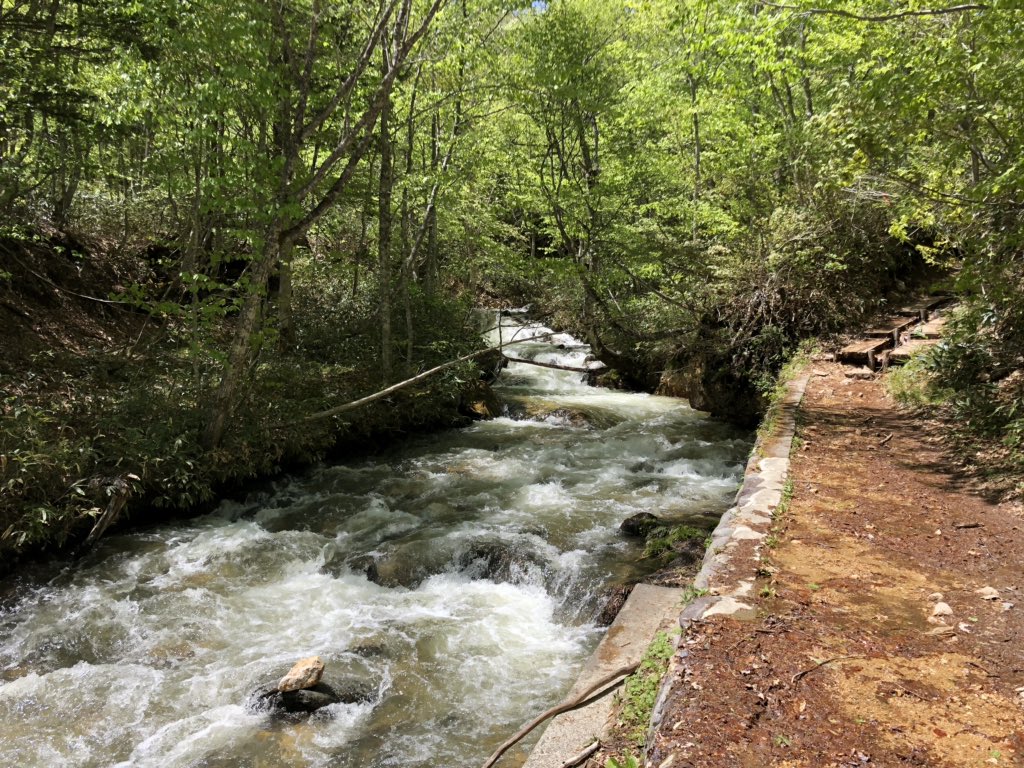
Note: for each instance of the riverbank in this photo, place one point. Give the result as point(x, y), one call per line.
point(105, 394)
point(887, 616)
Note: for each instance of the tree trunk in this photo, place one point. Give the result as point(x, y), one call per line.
point(384, 230)
point(696, 136)
point(238, 356)
point(285, 316)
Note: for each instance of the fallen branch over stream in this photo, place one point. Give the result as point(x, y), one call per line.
point(572, 368)
point(598, 689)
point(381, 394)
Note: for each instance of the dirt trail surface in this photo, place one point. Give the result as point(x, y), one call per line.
point(890, 611)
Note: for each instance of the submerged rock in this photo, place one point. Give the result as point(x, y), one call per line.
point(498, 560)
point(304, 701)
point(392, 569)
point(411, 564)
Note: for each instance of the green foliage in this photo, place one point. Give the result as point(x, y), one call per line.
point(691, 593)
point(975, 379)
point(661, 540)
point(640, 690)
point(913, 383)
point(43, 464)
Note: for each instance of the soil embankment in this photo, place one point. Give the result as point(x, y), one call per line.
point(889, 624)
point(105, 389)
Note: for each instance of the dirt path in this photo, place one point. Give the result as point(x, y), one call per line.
point(872, 645)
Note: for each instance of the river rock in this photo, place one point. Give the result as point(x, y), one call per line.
point(389, 567)
point(707, 377)
point(480, 402)
point(615, 598)
point(498, 560)
point(304, 701)
point(306, 673)
point(639, 524)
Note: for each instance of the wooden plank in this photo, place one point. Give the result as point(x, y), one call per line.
point(864, 352)
point(923, 307)
point(904, 351)
point(891, 326)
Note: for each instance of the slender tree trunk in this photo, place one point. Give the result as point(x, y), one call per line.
point(384, 230)
point(285, 316)
point(430, 264)
point(241, 346)
point(696, 136)
point(805, 80)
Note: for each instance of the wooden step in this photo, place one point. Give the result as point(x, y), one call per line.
point(904, 351)
point(865, 352)
point(891, 327)
point(923, 308)
point(930, 330)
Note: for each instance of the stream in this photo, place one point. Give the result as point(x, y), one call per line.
point(488, 547)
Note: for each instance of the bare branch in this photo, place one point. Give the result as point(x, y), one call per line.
point(380, 395)
point(880, 17)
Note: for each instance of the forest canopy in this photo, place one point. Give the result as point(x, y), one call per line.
point(318, 192)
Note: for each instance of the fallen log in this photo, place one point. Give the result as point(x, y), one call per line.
point(555, 366)
point(381, 394)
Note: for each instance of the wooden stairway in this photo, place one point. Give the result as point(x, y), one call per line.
point(893, 339)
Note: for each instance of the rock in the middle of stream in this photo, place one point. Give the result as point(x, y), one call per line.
point(302, 691)
point(305, 673)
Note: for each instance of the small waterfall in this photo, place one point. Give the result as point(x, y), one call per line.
point(455, 576)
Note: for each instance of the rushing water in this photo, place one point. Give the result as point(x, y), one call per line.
point(488, 548)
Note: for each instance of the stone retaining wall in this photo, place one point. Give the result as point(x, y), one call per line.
point(730, 568)
point(728, 573)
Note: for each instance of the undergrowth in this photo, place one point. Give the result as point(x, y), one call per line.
point(975, 386)
point(661, 540)
point(641, 690)
point(774, 390)
point(77, 430)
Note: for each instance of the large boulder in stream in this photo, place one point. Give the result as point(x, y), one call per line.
point(499, 561)
point(306, 673)
point(709, 380)
point(409, 565)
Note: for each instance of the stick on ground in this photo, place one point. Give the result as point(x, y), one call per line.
point(599, 688)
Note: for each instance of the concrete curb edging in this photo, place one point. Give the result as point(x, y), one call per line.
point(729, 571)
